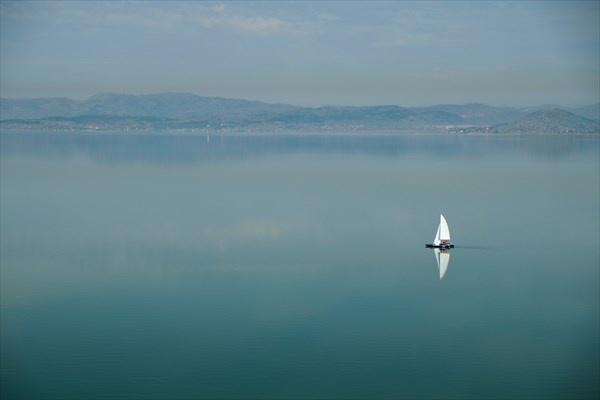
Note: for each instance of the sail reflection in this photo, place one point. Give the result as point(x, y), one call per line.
point(442, 256)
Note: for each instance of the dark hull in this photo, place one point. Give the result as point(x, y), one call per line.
point(439, 246)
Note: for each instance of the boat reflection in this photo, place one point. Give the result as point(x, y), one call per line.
point(442, 256)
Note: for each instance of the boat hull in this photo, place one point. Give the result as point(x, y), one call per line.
point(439, 246)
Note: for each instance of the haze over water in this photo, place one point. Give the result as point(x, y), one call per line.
point(295, 267)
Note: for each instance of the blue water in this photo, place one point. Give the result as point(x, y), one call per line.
point(294, 267)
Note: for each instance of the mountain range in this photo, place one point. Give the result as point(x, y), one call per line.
point(189, 112)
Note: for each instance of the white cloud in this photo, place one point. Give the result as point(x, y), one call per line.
point(165, 20)
point(219, 8)
point(264, 26)
point(154, 16)
point(209, 16)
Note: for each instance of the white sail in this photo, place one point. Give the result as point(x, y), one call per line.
point(444, 231)
point(442, 258)
point(436, 241)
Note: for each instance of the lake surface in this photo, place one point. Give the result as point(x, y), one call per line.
point(294, 267)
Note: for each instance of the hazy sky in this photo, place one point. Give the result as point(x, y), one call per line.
point(306, 53)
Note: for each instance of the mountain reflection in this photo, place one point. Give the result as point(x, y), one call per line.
point(186, 149)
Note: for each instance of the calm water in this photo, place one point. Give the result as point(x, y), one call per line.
point(294, 267)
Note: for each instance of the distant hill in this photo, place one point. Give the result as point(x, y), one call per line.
point(322, 119)
point(478, 114)
point(184, 111)
point(190, 112)
point(369, 118)
point(165, 105)
point(548, 121)
point(553, 120)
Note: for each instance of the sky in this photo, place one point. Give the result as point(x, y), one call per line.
point(309, 53)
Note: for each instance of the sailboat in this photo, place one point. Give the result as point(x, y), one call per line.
point(442, 236)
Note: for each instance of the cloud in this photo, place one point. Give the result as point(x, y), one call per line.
point(263, 26)
point(151, 16)
point(164, 20)
point(219, 8)
point(209, 17)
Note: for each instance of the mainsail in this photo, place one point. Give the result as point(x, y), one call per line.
point(443, 232)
